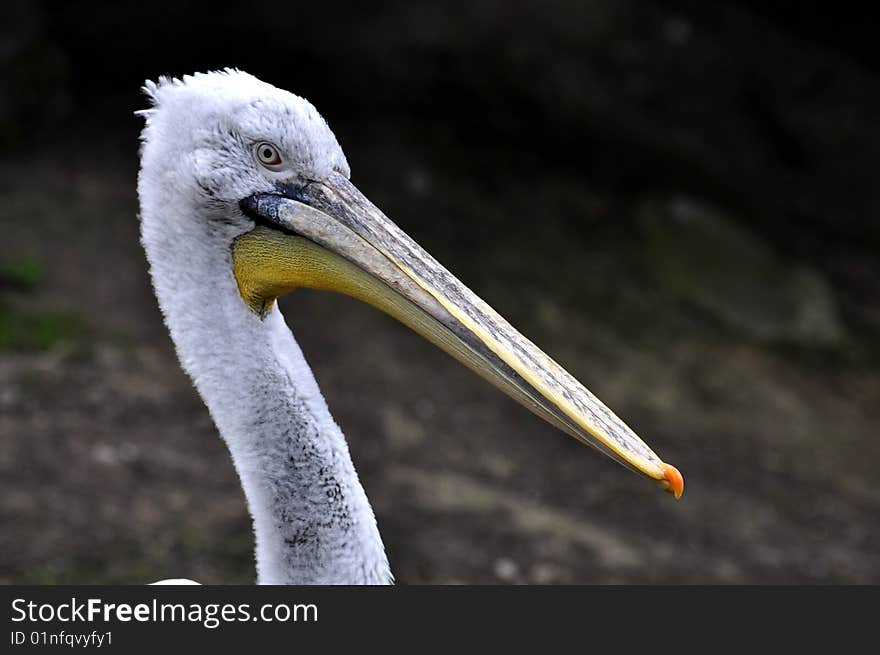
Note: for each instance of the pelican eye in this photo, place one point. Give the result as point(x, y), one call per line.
point(268, 155)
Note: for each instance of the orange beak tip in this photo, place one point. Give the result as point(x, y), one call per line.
point(673, 481)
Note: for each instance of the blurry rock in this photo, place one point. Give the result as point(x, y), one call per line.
point(10, 395)
point(506, 569)
point(704, 256)
point(546, 573)
point(419, 182)
point(402, 430)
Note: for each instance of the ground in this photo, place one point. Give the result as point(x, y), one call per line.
point(112, 470)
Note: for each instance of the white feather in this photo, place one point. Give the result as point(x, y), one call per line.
point(312, 520)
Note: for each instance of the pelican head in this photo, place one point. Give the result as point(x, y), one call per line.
point(245, 196)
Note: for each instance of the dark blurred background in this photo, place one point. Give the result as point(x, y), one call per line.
point(702, 173)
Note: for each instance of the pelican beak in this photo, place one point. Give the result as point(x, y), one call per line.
point(327, 235)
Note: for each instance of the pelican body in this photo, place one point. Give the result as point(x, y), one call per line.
point(245, 196)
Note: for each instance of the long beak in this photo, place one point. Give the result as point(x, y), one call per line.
point(327, 235)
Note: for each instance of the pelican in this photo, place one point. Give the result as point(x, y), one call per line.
point(245, 196)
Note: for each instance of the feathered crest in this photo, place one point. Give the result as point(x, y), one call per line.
point(151, 89)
